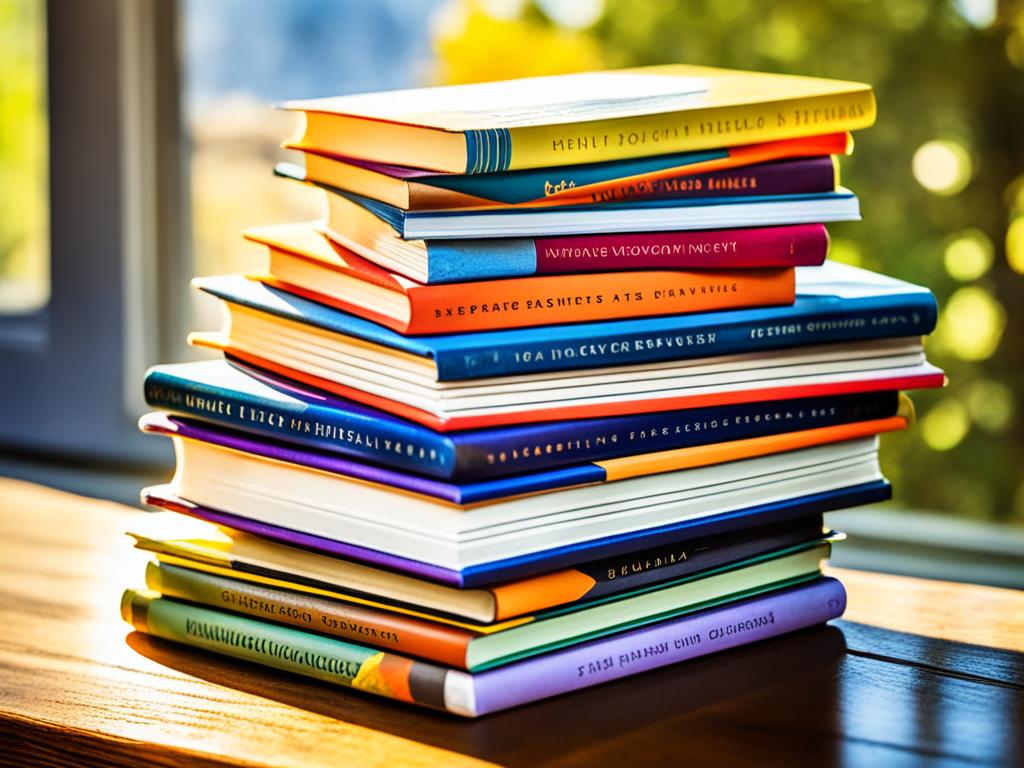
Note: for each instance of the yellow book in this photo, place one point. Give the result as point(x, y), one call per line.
point(581, 118)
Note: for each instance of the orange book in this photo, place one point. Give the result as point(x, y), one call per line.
point(305, 262)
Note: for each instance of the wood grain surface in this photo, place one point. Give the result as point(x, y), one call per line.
point(919, 673)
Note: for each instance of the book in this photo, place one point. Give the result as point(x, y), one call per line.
point(405, 679)
point(476, 649)
point(268, 561)
point(243, 398)
point(421, 527)
point(834, 303)
point(579, 118)
point(474, 492)
point(451, 261)
point(784, 512)
point(414, 189)
point(303, 261)
point(407, 387)
point(654, 215)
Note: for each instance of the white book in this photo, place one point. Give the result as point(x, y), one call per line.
point(334, 506)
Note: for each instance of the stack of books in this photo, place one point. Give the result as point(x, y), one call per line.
point(557, 392)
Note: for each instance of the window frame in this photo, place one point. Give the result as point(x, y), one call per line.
point(71, 372)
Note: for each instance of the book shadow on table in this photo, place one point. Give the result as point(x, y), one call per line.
point(562, 724)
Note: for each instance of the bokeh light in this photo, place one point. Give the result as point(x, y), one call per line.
point(1015, 245)
point(977, 13)
point(969, 255)
point(942, 166)
point(971, 324)
point(574, 14)
point(945, 425)
point(991, 405)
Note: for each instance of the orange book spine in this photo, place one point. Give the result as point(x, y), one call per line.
point(554, 299)
point(391, 631)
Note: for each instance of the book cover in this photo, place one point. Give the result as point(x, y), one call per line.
point(460, 260)
point(403, 386)
point(305, 262)
point(647, 215)
point(500, 569)
point(834, 303)
point(580, 118)
point(473, 649)
point(402, 678)
point(473, 492)
point(244, 398)
point(440, 261)
point(783, 168)
point(242, 555)
point(422, 527)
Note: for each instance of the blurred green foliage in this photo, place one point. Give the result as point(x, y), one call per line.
point(940, 177)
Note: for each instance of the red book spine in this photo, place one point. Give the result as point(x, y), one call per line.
point(789, 246)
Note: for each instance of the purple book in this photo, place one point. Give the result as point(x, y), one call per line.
point(472, 695)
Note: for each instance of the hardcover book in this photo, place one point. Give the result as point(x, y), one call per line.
point(656, 215)
point(472, 694)
point(834, 303)
point(270, 330)
point(684, 173)
point(479, 648)
point(305, 262)
point(289, 491)
point(244, 398)
point(460, 260)
point(579, 118)
point(264, 560)
point(474, 492)
point(785, 512)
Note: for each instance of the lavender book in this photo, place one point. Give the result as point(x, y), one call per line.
point(472, 695)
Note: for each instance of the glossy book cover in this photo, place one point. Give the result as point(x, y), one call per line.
point(472, 648)
point(542, 561)
point(260, 403)
point(834, 302)
point(476, 492)
point(468, 694)
point(195, 543)
point(580, 118)
point(305, 262)
point(414, 189)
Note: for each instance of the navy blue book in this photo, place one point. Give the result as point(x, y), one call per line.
point(260, 403)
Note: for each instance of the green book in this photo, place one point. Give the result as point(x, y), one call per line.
point(477, 648)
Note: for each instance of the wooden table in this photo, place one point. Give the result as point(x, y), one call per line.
point(919, 672)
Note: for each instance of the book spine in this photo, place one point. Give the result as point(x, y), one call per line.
point(553, 299)
point(624, 138)
point(363, 436)
point(790, 246)
point(563, 185)
point(390, 631)
point(657, 646)
point(718, 334)
point(292, 650)
point(514, 450)
point(783, 178)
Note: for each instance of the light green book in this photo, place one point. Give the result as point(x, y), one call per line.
point(471, 648)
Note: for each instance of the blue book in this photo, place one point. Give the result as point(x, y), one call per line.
point(254, 401)
point(658, 215)
point(834, 303)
